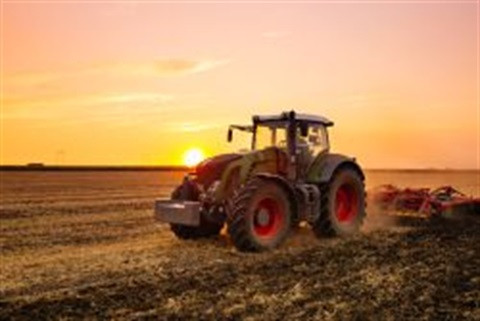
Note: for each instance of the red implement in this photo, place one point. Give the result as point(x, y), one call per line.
point(441, 201)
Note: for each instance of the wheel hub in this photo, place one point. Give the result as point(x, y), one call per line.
point(268, 218)
point(263, 217)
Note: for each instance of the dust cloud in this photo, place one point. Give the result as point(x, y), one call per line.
point(378, 219)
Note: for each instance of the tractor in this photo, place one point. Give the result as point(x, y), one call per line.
point(287, 177)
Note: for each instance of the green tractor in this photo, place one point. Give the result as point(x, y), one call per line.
point(287, 177)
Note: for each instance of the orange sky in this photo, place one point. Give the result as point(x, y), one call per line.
point(141, 82)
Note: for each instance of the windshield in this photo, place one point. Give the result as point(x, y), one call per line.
point(242, 142)
point(316, 140)
point(274, 134)
point(271, 135)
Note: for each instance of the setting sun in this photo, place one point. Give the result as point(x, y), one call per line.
point(192, 157)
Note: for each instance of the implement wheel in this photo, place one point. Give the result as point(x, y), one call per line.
point(342, 204)
point(261, 216)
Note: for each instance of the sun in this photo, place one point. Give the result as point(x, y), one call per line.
point(193, 156)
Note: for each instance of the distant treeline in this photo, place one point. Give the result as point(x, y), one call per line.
point(41, 167)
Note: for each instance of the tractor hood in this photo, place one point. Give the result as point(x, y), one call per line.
point(212, 168)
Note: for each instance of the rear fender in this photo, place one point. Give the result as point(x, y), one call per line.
point(324, 167)
point(239, 171)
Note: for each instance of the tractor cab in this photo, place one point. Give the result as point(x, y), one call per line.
point(301, 137)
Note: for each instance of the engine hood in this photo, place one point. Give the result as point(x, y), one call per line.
point(212, 168)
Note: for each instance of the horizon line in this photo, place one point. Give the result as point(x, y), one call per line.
point(46, 167)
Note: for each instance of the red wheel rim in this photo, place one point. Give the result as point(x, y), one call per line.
point(346, 204)
point(267, 218)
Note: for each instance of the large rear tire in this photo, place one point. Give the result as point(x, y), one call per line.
point(188, 192)
point(261, 216)
point(342, 204)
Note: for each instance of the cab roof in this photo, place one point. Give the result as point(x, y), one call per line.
point(293, 116)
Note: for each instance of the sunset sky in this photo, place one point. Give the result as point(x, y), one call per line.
point(89, 82)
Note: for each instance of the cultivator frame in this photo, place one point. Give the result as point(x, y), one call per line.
point(442, 201)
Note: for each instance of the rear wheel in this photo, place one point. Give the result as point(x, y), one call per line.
point(188, 192)
point(261, 216)
point(342, 205)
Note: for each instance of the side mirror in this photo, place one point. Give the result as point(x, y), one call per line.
point(230, 135)
point(304, 129)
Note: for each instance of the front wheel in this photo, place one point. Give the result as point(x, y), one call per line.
point(261, 216)
point(188, 192)
point(342, 204)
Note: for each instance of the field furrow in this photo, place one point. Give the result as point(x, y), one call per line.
point(89, 248)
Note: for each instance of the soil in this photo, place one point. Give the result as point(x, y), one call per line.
point(95, 252)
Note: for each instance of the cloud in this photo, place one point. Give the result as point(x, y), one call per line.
point(209, 64)
point(134, 97)
point(29, 79)
point(69, 106)
point(190, 126)
point(157, 68)
point(178, 66)
point(86, 100)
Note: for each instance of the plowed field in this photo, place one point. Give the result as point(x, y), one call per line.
point(84, 245)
